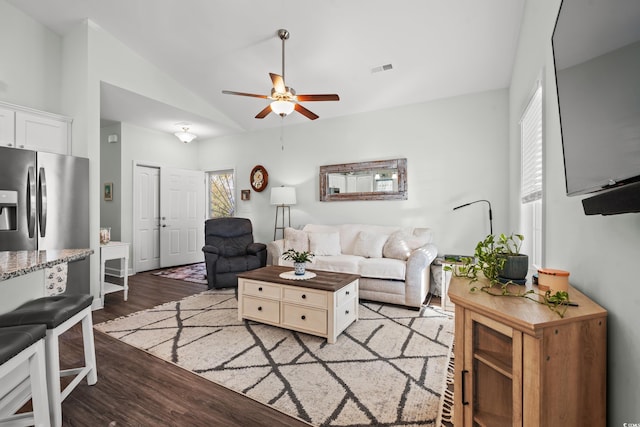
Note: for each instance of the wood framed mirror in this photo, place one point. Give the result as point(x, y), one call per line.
point(375, 180)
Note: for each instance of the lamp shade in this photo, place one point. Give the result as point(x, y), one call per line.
point(283, 196)
point(283, 108)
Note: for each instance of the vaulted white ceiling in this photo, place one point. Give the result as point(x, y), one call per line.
point(437, 49)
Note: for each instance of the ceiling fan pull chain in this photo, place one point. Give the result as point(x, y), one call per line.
point(282, 133)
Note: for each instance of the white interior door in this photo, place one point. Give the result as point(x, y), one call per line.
point(182, 212)
point(146, 211)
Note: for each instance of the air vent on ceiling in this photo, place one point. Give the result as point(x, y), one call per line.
point(385, 67)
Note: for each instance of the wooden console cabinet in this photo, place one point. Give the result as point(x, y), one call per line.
point(517, 363)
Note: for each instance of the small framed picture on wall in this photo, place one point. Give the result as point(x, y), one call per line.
point(245, 194)
point(108, 191)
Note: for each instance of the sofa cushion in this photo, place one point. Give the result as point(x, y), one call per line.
point(369, 245)
point(349, 234)
point(383, 268)
point(401, 243)
point(338, 263)
point(297, 240)
point(324, 243)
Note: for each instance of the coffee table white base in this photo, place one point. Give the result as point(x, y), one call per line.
point(313, 311)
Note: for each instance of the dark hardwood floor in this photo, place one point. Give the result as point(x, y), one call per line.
point(137, 389)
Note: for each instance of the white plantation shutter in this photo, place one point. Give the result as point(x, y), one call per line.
point(531, 139)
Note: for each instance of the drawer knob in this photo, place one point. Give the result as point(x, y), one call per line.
point(260, 289)
point(347, 292)
point(304, 296)
point(303, 317)
point(346, 312)
point(259, 308)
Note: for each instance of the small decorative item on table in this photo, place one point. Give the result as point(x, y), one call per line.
point(550, 279)
point(105, 235)
point(299, 268)
point(299, 260)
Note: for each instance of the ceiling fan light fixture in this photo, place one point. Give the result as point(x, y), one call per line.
point(185, 136)
point(283, 108)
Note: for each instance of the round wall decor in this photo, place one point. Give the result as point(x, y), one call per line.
point(259, 178)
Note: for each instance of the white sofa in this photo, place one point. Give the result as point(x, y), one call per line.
point(393, 262)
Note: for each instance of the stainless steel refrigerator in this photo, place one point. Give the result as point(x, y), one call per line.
point(44, 204)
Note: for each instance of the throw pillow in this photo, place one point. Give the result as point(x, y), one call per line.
point(296, 240)
point(324, 243)
point(369, 245)
point(400, 245)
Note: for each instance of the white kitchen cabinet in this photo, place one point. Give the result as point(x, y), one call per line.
point(7, 127)
point(42, 133)
point(30, 129)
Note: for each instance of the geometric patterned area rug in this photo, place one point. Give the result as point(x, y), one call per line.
point(196, 273)
point(387, 369)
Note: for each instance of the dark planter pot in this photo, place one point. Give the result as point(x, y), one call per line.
point(515, 267)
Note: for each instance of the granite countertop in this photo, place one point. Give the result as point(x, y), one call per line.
point(18, 263)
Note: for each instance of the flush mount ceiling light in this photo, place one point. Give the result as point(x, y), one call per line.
point(185, 136)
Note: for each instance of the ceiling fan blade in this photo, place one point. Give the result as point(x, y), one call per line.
point(308, 114)
point(327, 97)
point(230, 92)
point(278, 82)
point(262, 114)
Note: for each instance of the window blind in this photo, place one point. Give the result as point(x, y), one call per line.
point(531, 140)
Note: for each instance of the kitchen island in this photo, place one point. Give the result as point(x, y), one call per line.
point(22, 273)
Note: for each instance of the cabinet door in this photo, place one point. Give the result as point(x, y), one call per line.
point(7, 127)
point(41, 133)
point(493, 371)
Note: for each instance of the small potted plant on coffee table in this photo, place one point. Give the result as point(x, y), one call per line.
point(299, 260)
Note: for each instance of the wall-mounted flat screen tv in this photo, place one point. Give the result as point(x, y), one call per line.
point(596, 48)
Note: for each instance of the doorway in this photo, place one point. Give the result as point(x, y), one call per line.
point(168, 217)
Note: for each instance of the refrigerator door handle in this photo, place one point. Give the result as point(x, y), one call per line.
point(31, 201)
point(42, 212)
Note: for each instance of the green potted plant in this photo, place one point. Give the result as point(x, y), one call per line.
point(490, 262)
point(299, 260)
point(516, 265)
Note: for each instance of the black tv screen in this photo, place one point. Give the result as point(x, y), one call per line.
point(596, 48)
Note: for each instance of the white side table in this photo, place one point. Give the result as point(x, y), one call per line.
point(114, 250)
point(446, 303)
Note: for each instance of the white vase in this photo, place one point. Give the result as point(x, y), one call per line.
point(299, 268)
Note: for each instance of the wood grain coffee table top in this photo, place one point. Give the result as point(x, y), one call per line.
point(324, 280)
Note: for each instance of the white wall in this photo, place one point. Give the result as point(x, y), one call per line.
point(89, 57)
point(30, 74)
point(152, 148)
point(111, 171)
point(598, 251)
point(456, 150)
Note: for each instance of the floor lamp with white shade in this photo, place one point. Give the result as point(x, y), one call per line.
point(283, 197)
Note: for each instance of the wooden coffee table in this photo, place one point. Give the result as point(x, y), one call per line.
point(324, 305)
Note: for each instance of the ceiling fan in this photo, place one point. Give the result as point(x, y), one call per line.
point(283, 98)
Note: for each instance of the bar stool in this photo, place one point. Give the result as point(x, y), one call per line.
point(59, 313)
point(22, 375)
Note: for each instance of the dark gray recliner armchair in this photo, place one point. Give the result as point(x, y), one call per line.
point(229, 249)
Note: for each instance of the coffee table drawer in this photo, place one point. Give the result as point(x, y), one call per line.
point(306, 297)
point(346, 293)
point(261, 289)
point(305, 318)
point(261, 309)
point(346, 314)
